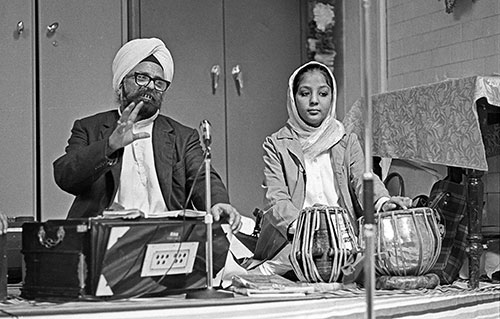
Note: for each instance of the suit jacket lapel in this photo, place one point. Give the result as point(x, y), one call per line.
point(163, 150)
point(106, 130)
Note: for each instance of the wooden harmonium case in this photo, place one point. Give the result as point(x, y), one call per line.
point(115, 258)
point(56, 255)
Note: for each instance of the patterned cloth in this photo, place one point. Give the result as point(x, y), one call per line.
point(436, 123)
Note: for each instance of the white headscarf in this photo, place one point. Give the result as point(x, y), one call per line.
point(314, 140)
point(134, 51)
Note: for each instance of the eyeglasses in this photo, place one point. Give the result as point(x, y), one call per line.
point(142, 79)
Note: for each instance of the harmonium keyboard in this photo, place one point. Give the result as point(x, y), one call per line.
point(118, 258)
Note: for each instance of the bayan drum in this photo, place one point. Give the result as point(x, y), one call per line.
point(408, 242)
point(324, 243)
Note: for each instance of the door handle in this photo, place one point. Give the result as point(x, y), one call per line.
point(20, 27)
point(52, 28)
point(238, 79)
point(215, 73)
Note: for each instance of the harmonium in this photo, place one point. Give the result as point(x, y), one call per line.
point(101, 258)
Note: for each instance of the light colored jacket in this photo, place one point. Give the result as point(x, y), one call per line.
point(285, 184)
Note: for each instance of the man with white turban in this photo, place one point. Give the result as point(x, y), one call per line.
point(134, 157)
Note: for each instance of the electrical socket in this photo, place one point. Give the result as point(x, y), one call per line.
point(169, 259)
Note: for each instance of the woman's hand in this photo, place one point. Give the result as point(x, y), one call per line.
point(225, 210)
point(396, 202)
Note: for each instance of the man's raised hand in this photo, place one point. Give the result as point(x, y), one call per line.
point(123, 134)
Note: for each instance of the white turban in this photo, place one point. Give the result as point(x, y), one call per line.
point(134, 51)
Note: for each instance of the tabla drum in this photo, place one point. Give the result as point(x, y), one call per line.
point(408, 242)
point(324, 243)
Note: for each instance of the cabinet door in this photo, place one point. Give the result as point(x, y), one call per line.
point(75, 79)
point(17, 165)
point(193, 32)
point(264, 38)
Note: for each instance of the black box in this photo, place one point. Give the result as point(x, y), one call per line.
point(118, 258)
point(3, 267)
point(15, 261)
point(56, 254)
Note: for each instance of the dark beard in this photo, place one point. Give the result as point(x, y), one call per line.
point(150, 107)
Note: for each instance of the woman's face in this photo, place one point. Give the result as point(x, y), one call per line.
point(313, 98)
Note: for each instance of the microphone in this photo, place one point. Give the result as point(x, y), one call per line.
point(206, 135)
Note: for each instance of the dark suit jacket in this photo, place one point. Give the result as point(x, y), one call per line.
point(93, 178)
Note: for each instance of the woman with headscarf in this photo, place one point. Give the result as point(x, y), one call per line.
point(310, 161)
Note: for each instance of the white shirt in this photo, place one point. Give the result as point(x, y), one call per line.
point(320, 187)
point(139, 187)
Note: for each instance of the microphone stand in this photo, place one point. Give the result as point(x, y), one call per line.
point(209, 292)
point(369, 225)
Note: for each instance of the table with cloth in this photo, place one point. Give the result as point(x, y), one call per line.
point(447, 123)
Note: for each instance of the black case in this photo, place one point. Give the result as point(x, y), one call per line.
point(56, 254)
point(72, 258)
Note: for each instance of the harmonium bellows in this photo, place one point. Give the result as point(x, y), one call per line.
point(117, 258)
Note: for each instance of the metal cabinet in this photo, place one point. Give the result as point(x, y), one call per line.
point(232, 64)
point(17, 131)
point(55, 67)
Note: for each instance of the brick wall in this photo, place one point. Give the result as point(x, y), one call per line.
point(425, 44)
